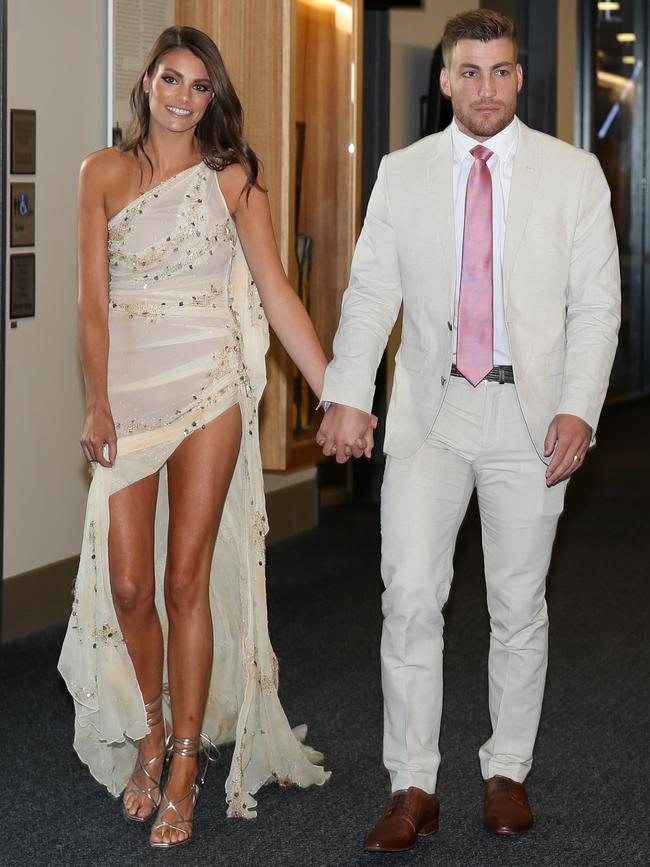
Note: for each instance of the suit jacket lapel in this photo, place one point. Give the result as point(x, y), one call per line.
point(441, 197)
point(525, 177)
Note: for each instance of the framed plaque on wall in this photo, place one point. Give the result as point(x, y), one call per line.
point(23, 141)
point(21, 203)
point(22, 301)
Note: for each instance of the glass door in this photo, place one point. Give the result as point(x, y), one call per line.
point(615, 127)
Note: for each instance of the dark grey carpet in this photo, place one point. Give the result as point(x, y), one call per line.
point(589, 785)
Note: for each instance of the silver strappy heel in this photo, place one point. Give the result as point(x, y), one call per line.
point(176, 821)
point(151, 790)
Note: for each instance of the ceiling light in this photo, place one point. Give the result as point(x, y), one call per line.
point(628, 59)
point(626, 37)
point(608, 7)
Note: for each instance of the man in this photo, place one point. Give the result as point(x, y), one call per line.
point(499, 244)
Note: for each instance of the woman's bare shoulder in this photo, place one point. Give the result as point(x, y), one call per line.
point(106, 167)
point(233, 181)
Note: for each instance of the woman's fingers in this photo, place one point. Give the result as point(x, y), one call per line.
point(102, 452)
point(97, 449)
point(85, 448)
point(112, 450)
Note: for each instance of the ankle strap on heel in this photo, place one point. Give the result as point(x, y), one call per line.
point(153, 709)
point(188, 748)
point(210, 751)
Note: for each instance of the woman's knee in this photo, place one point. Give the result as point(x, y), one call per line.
point(133, 592)
point(186, 587)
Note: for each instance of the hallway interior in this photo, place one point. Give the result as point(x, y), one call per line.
point(588, 789)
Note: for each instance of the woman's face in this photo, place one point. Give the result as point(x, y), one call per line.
point(179, 91)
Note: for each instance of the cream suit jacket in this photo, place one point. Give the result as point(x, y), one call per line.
point(561, 285)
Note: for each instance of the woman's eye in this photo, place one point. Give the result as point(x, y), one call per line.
point(201, 88)
point(168, 79)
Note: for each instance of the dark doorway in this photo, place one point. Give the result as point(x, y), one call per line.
point(537, 33)
point(614, 123)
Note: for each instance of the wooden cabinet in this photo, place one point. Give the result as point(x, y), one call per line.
point(296, 65)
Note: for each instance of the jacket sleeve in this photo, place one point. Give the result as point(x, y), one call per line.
point(369, 308)
point(593, 301)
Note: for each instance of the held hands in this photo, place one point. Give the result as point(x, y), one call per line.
point(569, 436)
point(346, 432)
point(99, 440)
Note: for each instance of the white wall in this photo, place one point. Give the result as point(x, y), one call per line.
point(56, 64)
point(414, 33)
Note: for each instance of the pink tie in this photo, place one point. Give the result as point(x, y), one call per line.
point(475, 328)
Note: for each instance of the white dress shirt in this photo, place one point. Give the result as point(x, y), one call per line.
point(504, 146)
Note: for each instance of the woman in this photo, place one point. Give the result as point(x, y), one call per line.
point(173, 339)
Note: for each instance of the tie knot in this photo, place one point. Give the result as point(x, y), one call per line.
point(481, 153)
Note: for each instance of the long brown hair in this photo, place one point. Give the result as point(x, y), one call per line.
point(219, 133)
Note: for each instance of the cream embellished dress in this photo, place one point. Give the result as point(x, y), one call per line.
point(187, 341)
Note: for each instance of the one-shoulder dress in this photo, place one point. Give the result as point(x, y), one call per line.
point(188, 338)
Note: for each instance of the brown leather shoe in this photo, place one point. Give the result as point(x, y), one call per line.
point(507, 810)
point(411, 813)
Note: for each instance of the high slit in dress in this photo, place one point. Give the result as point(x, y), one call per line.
point(188, 338)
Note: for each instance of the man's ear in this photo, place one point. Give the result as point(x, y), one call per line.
point(520, 77)
point(444, 82)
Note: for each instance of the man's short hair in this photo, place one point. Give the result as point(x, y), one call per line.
point(481, 24)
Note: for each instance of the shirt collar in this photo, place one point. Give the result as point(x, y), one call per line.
point(503, 144)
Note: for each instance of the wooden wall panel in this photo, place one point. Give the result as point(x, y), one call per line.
point(291, 60)
point(326, 103)
point(255, 39)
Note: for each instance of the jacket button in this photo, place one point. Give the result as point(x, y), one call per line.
point(449, 326)
point(442, 380)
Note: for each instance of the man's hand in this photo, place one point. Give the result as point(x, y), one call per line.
point(346, 432)
point(569, 436)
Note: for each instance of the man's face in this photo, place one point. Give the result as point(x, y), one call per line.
point(482, 81)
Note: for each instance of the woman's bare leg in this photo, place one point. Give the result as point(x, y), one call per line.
point(199, 474)
point(131, 565)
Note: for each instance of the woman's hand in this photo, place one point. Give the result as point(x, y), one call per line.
point(99, 431)
point(346, 432)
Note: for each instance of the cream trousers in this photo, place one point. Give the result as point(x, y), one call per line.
point(479, 440)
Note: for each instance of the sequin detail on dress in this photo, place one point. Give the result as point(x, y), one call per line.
point(188, 338)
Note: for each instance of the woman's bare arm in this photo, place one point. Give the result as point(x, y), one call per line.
point(282, 306)
point(93, 309)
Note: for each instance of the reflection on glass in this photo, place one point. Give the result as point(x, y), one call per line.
point(618, 143)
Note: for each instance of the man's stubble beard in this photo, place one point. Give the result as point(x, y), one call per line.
point(485, 127)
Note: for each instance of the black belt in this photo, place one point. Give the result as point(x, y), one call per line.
point(502, 374)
